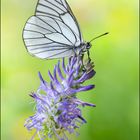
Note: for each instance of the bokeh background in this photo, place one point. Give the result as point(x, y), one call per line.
point(116, 64)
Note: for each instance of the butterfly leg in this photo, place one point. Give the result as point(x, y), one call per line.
point(83, 66)
point(89, 59)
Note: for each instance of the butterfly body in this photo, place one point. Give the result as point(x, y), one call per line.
point(53, 32)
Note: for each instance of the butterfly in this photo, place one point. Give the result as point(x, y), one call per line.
point(53, 32)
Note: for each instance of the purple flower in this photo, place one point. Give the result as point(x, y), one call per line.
point(57, 107)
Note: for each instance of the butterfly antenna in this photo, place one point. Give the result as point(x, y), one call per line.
point(99, 36)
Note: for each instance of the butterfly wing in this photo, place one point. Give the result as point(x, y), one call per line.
point(59, 9)
point(53, 32)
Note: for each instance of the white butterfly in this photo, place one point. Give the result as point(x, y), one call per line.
point(53, 32)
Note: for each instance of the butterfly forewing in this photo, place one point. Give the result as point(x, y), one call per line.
point(53, 32)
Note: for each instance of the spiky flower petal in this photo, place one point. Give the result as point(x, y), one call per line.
point(57, 110)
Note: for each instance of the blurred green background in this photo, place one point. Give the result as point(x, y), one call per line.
point(116, 64)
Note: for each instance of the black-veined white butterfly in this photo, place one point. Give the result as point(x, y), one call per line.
point(53, 32)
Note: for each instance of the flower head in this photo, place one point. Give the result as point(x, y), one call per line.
point(57, 109)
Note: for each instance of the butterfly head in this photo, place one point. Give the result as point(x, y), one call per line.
point(84, 47)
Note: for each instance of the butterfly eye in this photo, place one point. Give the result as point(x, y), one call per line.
point(88, 46)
